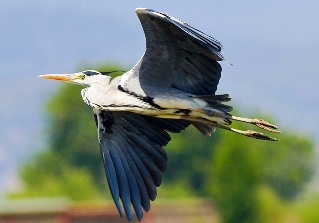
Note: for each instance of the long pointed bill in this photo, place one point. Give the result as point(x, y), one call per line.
point(59, 77)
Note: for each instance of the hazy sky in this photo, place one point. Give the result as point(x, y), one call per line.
point(273, 46)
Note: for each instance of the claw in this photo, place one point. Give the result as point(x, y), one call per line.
point(267, 128)
point(258, 135)
point(258, 122)
point(248, 133)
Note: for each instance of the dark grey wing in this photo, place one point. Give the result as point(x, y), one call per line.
point(177, 55)
point(133, 155)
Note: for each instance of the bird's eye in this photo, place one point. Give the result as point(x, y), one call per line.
point(82, 76)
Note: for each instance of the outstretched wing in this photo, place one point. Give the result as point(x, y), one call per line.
point(134, 159)
point(177, 55)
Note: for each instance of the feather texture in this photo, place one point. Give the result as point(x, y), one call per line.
point(134, 160)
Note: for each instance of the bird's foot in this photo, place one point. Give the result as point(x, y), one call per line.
point(258, 122)
point(248, 133)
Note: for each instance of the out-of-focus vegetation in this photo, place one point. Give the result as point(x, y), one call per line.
point(249, 180)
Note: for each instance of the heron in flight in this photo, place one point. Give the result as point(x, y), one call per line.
point(171, 87)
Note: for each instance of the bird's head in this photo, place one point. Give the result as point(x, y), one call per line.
point(85, 78)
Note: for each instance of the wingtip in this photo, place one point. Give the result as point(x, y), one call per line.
point(119, 208)
point(139, 217)
point(228, 63)
point(128, 212)
point(151, 12)
point(141, 10)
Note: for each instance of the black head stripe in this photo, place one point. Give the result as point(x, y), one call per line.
point(91, 72)
point(114, 71)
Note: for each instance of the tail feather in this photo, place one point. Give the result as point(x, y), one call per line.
point(214, 98)
point(206, 130)
point(216, 101)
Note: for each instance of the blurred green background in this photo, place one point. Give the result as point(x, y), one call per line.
point(48, 139)
point(247, 180)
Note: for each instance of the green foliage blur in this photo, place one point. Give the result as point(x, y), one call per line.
point(249, 180)
point(238, 173)
point(241, 166)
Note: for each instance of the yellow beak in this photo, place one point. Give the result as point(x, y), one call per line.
point(59, 77)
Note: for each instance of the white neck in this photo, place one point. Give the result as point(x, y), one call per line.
point(98, 85)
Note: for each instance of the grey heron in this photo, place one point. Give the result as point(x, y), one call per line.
point(171, 87)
